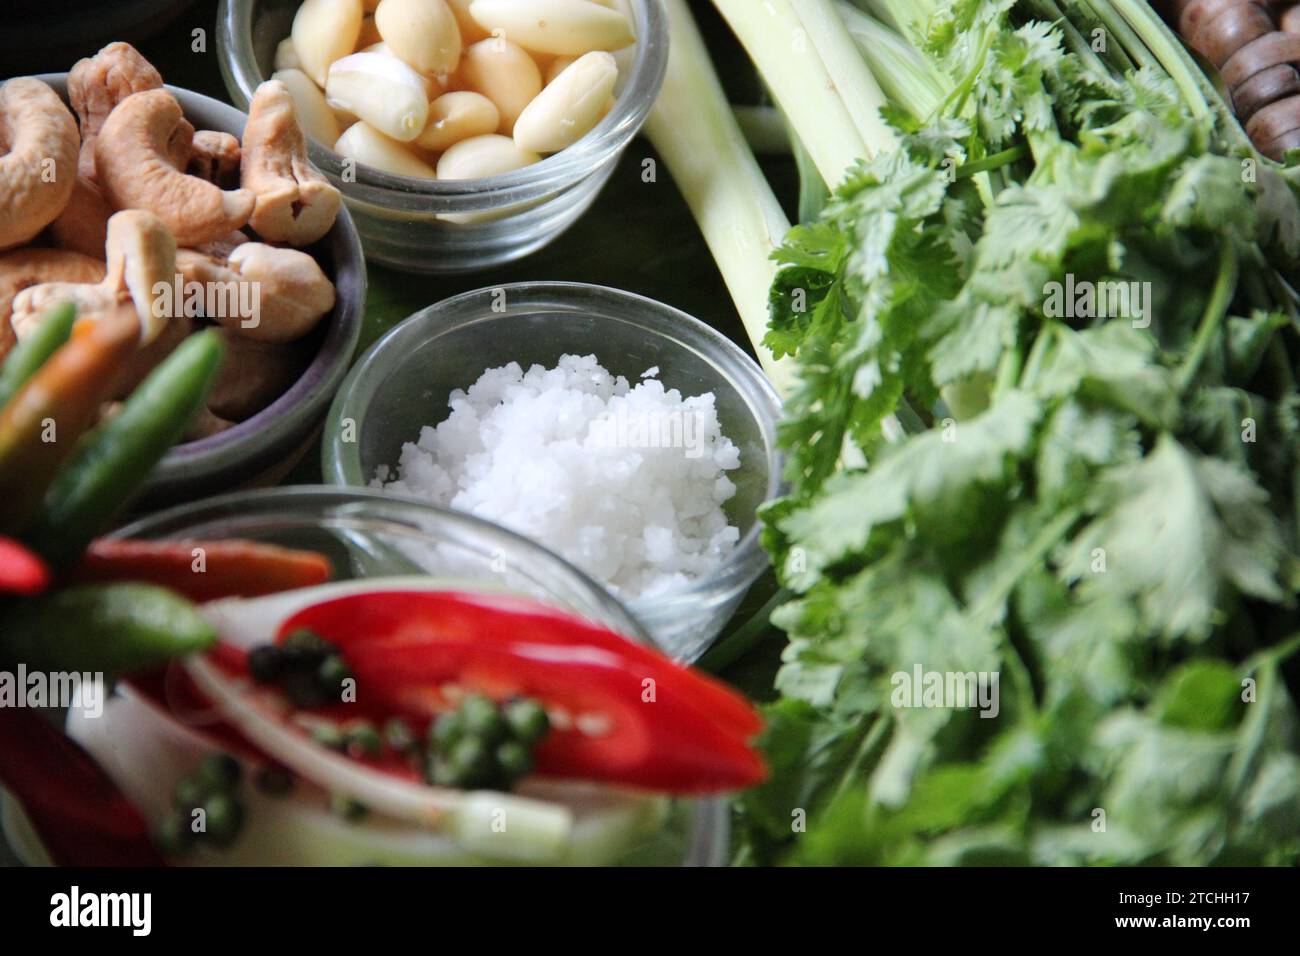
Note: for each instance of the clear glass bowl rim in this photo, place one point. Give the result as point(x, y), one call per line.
point(555, 172)
point(340, 460)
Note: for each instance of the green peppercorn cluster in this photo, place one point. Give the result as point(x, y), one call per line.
point(308, 668)
point(479, 745)
point(356, 738)
point(482, 744)
point(213, 787)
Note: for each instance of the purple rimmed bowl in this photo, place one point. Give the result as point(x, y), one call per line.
point(263, 448)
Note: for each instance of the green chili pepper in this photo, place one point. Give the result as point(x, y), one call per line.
point(42, 423)
point(113, 628)
point(115, 460)
point(30, 354)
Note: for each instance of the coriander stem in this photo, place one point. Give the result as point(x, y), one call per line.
point(1225, 282)
point(1008, 369)
point(1282, 364)
point(993, 161)
point(989, 605)
point(1073, 38)
point(956, 100)
point(870, 740)
point(908, 419)
point(1037, 352)
point(1129, 46)
point(1178, 64)
point(742, 640)
point(1276, 654)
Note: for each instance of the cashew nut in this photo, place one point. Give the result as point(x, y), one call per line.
point(223, 247)
point(294, 203)
point(38, 159)
point(24, 268)
point(136, 172)
point(214, 156)
point(292, 293)
point(83, 224)
point(141, 253)
point(253, 375)
point(98, 83)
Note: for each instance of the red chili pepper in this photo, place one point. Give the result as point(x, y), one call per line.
point(203, 570)
point(80, 815)
point(21, 571)
point(420, 616)
point(632, 716)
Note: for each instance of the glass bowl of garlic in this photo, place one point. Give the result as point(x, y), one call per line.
point(462, 133)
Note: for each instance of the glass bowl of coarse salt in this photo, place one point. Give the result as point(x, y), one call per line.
point(628, 437)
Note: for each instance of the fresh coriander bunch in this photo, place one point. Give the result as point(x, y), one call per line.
point(992, 476)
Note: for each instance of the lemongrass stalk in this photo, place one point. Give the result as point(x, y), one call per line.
point(907, 78)
point(697, 135)
point(908, 17)
point(854, 82)
point(778, 43)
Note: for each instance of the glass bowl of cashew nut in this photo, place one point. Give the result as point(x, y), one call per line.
point(462, 133)
point(179, 211)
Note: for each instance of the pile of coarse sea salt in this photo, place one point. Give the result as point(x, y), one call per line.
point(627, 482)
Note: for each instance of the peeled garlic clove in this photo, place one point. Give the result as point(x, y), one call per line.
point(314, 114)
point(561, 27)
point(470, 31)
point(504, 73)
point(286, 57)
point(481, 156)
point(365, 144)
point(382, 90)
point(324, 31)
point(457, 116)
point(421, 32)
point(569, 106)
point(558, 66)
point(432, 87)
